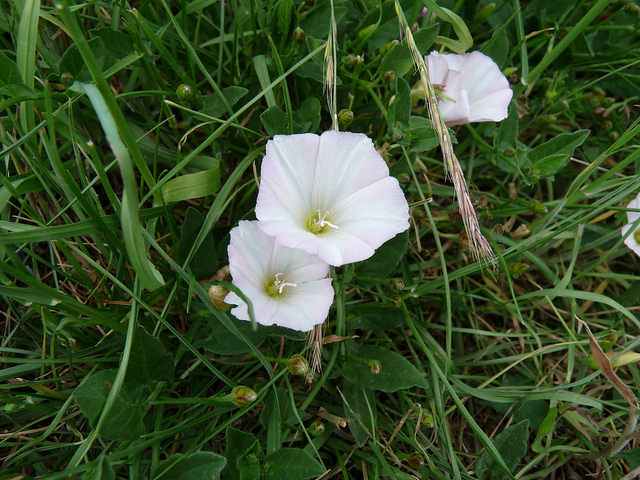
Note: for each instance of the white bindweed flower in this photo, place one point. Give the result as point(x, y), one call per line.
point(330, 195)
point(287, 287)
point(472, 87)
point(633, 239)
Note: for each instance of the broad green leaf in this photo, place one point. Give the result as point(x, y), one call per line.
point(396, 372)
point(400, 109)
point(149, 360)
point(316, 23)
point(291, 464)
point(194, 466)
point(547, 159)
point(386, 258)
point(374, 316)
point(214, 104)
point(398, 59)
point(512, 445)
point(360, 410)
point(9, 73)
point(192, 185)
point(425, 37)
point(307, 117)
point(205, 260)
point(102, 470)
point(217, 340)
point(285, 10)
point(274, 121)
point(422, 137)
point(465, 40)
point(125, 419)
point(242, 453)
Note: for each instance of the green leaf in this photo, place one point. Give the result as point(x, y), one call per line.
point(218, 340)
point(360, 411)
point(512, 445)
point(307, 117)
point(205, 260)
point(398, 59)
point(386, 258)
point(242, 453)
point(125, 419)
point(374, 316)
point(194, 466)
point(400, 109)
point(192, 185)
point(547, 159)
point(422, 137)
point(275, 121)
point(9, 73)
point(292, 464)
point(149, 359)
point(396, 372)
point(284, 14)
point(214, 104)
point(102, 471)
point(465, 40)
point(425, 37)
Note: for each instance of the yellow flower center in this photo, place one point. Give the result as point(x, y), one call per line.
point(636, 235)
point(319, 223)
point(275, 286)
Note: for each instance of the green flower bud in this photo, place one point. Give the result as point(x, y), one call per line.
point(298, 365)
point(317, 428)
point(518, 268)
point(298, 35)
point(242, 395)
point(345, 117)
point(396, 301)
point(66, 79)
point(374, 366)
point(396, 284)
point(389, 76)
point(217, 294)
point(485, 12)
point(353, 60)
point(185, 93)
point(416, 460)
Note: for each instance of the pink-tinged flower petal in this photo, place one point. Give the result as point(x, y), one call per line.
point(482, 85)
point(455, 111)
point(344, 178)
point(256, 259)
point(632, 217)
point(635, 204)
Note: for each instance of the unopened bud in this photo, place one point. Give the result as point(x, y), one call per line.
point(416, 460)
point(353, 60)
point(485, 12)
point(66, 79)
point(298, 365)
point(298, 35)
point(518, 268)
point(396, 284)
point(242, 395)
point(396, 301)
point(217, 294)
point(548, 119)
point(184, 93)
point(345, 117)
point(366, 30)
point(317, 428)
point(374, 366)
point(389, 76)
point(388, 46)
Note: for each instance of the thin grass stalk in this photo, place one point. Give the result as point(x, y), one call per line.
point(478, 244)
point(330, 70)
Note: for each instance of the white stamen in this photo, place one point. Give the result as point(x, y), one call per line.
point(322, 220)
point(280, 284)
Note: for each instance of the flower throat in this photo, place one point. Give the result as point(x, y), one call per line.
point(319, 224)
